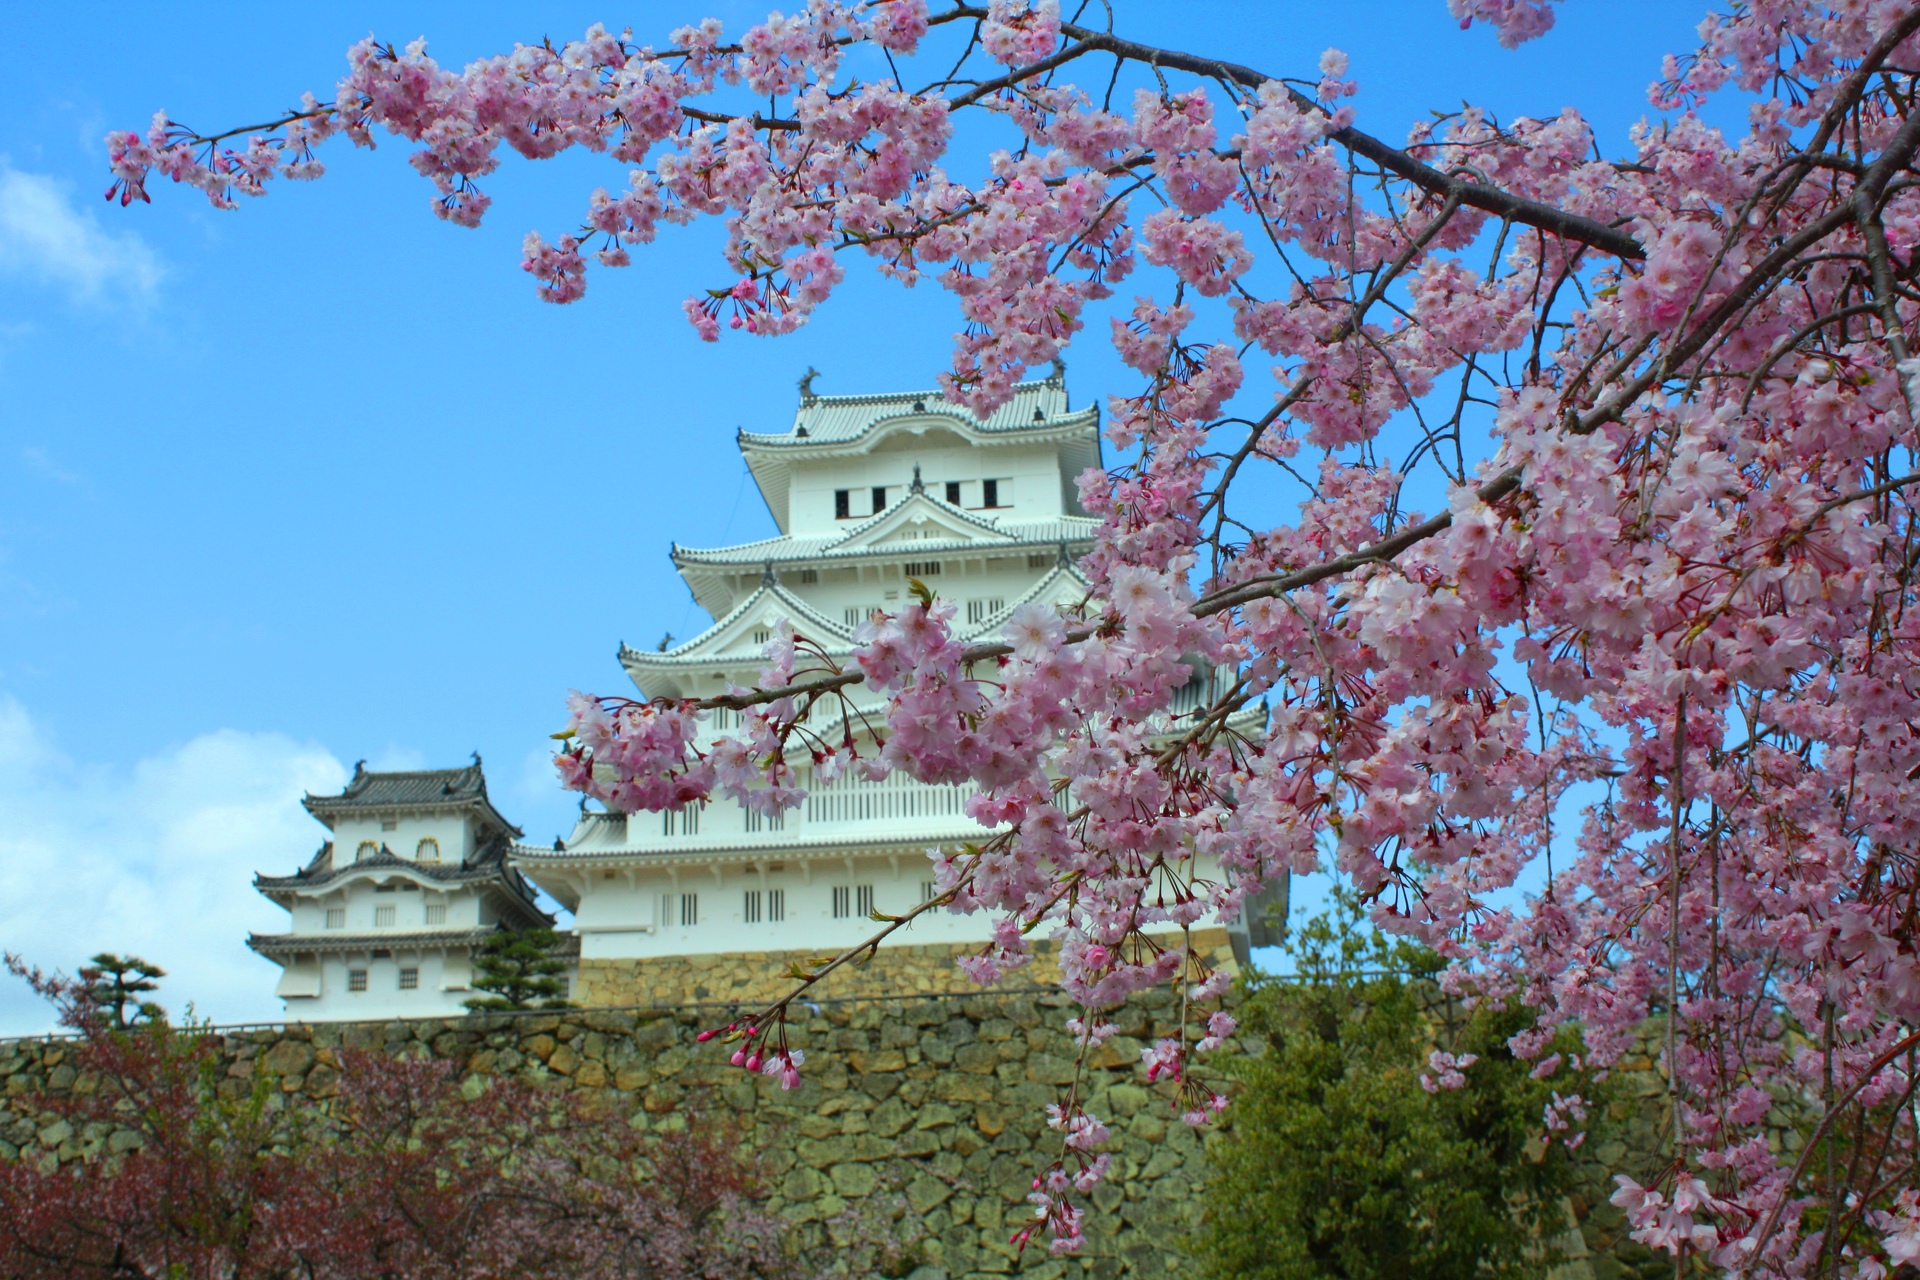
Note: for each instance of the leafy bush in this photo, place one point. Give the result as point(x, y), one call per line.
point(1348, 1155)
point(409, 1170)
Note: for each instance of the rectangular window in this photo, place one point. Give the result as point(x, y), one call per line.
point(996, 493)
point(855, 616)
point(684, 823)
point(842, 902)
point(776, 904)
point(389, 824)
point(863, 900)
point(879, 498)
point(689, 908)
point(409, 979)
point(921, 568)
point(842, 506)
point(1039, 560)
point(979, 611)
point(953, 492)
point(757, 821)
point(750, 909)
point(336, 917)
point(356, 979)
point(762, 635)
point(809, 576)
point(383, 917)
point(436, 913)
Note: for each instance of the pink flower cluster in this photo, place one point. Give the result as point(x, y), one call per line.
point(1594, 577)
point(1447, 1071)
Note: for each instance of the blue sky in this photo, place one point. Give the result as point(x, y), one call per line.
point(322, 479)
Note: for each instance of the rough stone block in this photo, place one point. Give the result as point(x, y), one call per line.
point(854, 1181)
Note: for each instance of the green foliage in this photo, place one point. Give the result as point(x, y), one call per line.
point(1337, 1163)
point(520, 971)
point(113, 987)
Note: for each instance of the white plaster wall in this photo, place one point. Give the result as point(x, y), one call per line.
point(810, 924)
point(383, 997)
point(361, 896)
point(454, 831)
point(1034, 472)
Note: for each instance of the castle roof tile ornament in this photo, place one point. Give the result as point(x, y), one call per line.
point(417, 790)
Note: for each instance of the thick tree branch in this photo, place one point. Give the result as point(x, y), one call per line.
point(1490, 199)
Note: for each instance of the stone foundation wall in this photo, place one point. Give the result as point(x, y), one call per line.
point(937, 1100)
point(759, 977)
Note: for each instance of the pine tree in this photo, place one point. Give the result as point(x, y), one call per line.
point(520, 971)
point(114, 987)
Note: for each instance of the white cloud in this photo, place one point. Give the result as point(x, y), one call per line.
point(46, 238)
point(157, 860)
point(38, 460)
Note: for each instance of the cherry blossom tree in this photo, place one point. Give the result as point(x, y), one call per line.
point(1645, 641)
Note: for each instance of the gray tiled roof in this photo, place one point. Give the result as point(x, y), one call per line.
point(271, 944)
point(1050, 531)
point(487, 865)
point(829, 419)
point(413, 789)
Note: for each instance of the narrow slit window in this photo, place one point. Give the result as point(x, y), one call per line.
point(436, 913)
point(842, 902)
point(383, 917)
point(863, 900)
point(689, 908)
point(776, 905)
point(750, 909)
point(336, 917)
point(929, 889)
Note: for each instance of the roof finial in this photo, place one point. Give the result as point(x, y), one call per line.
point(917, 486)
point(666, 642)
point(1066, 561)
point(1059, 370)
point(806, 385)
point(766, 576)
point(476, 759)
point(359, 767)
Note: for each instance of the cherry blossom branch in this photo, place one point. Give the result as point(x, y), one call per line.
point(1867, 1075)
point(1559, 222)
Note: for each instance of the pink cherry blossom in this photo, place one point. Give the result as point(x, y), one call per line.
point(1583, 640)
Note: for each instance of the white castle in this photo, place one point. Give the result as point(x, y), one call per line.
point(867, 492)
point(386, 916)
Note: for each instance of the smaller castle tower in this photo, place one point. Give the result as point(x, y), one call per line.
point(386, 917)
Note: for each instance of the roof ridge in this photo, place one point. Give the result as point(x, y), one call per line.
point(1072, 418)
point(877, 397)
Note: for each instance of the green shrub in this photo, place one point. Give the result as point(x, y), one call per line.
point(1338, 1162)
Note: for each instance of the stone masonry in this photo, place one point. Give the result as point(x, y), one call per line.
point(759, 977)
point(934, 1101)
